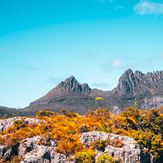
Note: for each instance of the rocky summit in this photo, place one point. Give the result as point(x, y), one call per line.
point(134, 88)
point(135, 84)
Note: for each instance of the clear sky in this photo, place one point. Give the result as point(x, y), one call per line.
point(45, 41)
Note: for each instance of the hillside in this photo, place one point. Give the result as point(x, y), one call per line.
point(134, 87)
point(133, 136)
point(8, 111)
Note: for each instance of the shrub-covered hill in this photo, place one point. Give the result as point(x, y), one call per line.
point(99, 136)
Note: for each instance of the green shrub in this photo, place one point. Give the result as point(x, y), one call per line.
point(45, 113)
point(85, 157)
point(19, 124)
point(104, 158)
point(99, 145)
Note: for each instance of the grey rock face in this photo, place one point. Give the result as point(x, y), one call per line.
point(3, 149)
point(40, 154)
point(135, 84)
point(72, 85)
point(44, 154)
point(129, 153)
point(8, 154)
point(6, 123)
point(28, 145)
point(89, 137)
point(32, 152)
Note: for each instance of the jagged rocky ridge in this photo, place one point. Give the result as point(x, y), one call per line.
point(145, 89)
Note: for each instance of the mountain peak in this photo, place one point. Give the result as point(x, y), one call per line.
point(146, 88)
point(132, 84)
point(127, 82)
point(69, 81)
point(71, 85)
point(128, 71)
point(71, 78)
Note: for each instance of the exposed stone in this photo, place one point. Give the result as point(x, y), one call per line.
point(40, 154)
point(8, 154)
point(129, 153)
point(28, 145)
point(44, 154)
point(3, 149)
point(31, 152)
point(32, 120)
point(6, 123)
point(59, 158)
point(133, 84)
point(88, 137)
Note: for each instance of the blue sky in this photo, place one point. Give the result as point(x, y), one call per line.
point(44, 42)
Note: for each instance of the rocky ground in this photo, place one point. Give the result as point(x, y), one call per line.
point(30, 150)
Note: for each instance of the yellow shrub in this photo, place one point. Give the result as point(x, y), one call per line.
point(87, 156)
point(104, 158)
point(98, 98)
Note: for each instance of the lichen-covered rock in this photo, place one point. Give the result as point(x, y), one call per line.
point(32, 120)
point(88, 137)
point(40, 154)
point(31, 151)
point(28, 145)
point(59, 158)
point(128, 153)
point(3, 149)
point(6, 123)
point(8, 154)
point(44, 154)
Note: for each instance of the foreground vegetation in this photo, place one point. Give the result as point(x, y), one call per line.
point(145, 126)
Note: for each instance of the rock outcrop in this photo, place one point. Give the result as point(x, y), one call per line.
point(130, 152)
point(32, 152)
point(138, 84)
point(28, 144)
point(6, 123)
point(39, 149)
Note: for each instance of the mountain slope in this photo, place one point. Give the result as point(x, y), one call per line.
point(70, 95)
point(67, 95)
point(8, 111)
point(135, 84)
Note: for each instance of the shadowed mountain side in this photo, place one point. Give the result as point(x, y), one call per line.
point(134, 88)
point(9, 111)
point(144, 89)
